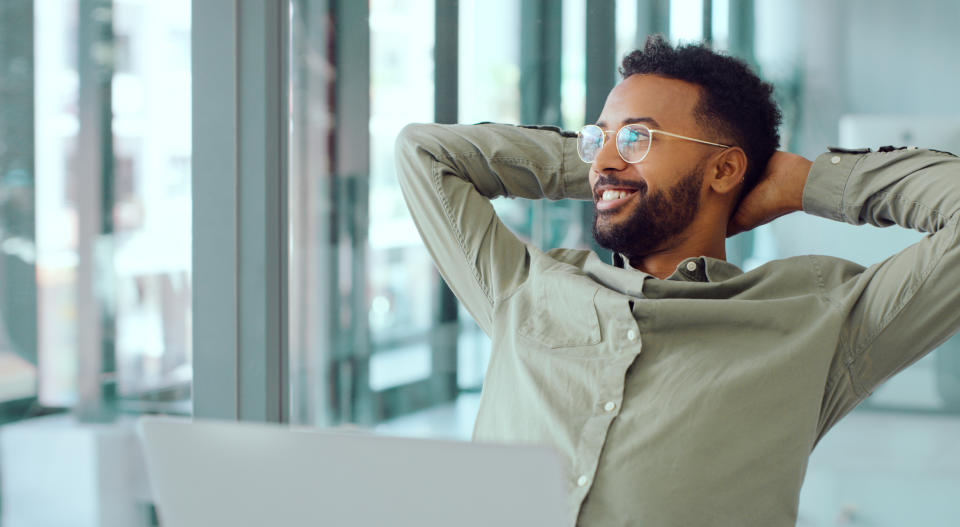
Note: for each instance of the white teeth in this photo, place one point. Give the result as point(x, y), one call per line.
point(610, 195)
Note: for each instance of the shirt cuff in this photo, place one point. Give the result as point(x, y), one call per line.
point(826, 182)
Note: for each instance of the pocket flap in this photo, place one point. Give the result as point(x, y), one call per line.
point(564, 314)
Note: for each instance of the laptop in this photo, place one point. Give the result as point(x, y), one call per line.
point(205, 473)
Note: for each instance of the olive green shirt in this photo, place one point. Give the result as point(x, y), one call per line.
point(694, 400)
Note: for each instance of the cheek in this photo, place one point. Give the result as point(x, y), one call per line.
point(664, 177)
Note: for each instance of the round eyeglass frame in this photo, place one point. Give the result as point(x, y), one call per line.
point(630, 127)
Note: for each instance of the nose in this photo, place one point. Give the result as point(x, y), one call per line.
point(608, 158)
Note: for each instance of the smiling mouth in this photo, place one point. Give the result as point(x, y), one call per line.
point(613, 195)
point(611, 199)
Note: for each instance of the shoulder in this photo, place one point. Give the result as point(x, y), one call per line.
point(799, 272)
point(565, 259)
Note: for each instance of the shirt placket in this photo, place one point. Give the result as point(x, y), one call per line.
point(623, 345)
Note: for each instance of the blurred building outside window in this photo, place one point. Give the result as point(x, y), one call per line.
point(141, 250)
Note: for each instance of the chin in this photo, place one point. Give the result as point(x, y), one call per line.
point(608, 236)
point(615, 220)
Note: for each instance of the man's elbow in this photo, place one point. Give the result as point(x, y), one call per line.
point(413, 136)
point(415, 149)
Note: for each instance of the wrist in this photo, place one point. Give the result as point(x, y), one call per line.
point(799, 170)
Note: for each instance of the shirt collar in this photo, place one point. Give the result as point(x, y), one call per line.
point(720, 270)
point(704, 268)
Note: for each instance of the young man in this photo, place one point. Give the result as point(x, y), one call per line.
point(678, 389)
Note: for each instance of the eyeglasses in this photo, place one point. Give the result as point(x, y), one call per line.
point(633, 142)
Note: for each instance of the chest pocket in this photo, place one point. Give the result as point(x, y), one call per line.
point(561, 311)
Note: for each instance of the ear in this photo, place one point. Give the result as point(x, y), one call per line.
point(729, 166)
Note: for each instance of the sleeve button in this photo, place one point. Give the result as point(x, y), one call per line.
point(835, 160)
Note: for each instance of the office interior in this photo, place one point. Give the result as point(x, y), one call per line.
point(199, 216)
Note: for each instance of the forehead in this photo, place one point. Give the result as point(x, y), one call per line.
point(669, 102)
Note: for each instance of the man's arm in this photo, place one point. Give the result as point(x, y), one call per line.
point(900, 309)
point(449, 174)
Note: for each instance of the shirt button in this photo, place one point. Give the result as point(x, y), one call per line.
point(582, 481)
point(632, 335)
point(835, 160)
point(610, 406)
point(691, 266)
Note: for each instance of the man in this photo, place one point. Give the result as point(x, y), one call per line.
point(677, 389)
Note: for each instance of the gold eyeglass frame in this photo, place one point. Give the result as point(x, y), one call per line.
point(650, 134)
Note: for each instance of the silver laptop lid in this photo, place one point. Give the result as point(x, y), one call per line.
point(227, 473)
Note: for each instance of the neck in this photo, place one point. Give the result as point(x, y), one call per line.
point(700, 238)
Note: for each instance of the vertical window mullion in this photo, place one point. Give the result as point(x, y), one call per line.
point(240, 236)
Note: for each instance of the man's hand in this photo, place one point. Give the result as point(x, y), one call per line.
point(779, 192)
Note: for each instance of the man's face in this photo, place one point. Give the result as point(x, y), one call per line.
point(662, 192)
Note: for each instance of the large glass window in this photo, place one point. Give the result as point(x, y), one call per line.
point(383, 320)
point(686, 20)
point(95, 231)
point(573, 56)
point(151, 211)
point(399, 269)
point(489, 68)
point(140, 275)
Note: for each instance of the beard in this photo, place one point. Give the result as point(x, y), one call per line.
point(657, 218)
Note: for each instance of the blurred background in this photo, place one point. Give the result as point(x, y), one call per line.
point(109, 273)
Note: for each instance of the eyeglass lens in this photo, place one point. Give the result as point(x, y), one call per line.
point(589, 142)
point(633, 142)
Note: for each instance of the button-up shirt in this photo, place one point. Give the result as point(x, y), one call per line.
point(697, 399)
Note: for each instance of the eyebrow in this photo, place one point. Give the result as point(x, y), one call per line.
point(633, 120)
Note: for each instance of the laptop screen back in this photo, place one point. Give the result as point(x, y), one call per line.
point(229, 473)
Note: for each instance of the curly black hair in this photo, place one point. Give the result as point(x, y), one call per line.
point(734, 103)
